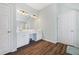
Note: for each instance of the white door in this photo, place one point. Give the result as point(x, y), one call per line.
point(67, 28)
point(4, 28)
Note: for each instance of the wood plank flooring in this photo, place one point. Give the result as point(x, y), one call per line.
point(41, 47)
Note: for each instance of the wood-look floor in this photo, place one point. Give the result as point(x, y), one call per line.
point(41, 48)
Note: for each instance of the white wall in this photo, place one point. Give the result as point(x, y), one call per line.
point(48, 18)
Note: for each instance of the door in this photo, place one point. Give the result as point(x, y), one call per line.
point(4, 28)
point(67, 28)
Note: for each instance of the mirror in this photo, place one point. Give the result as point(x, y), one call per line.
point(25, 21)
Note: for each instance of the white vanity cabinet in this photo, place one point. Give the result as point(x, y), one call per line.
point(22, 39)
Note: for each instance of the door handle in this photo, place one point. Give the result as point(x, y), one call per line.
point(9, 31)
point(72, 30)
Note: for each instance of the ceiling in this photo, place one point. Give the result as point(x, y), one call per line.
point(73, 5)
point(38, 6)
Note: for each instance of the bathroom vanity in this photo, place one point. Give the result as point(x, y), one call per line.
point(23, 37)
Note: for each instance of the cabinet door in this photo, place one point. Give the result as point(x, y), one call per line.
point(22, 39)
point(19, 39)
point(25, 38)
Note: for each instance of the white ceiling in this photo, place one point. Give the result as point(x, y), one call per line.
point(38, 6)
point(73, 5)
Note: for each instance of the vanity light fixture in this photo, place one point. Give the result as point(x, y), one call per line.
point(34, 16)
point(22, 12)
point(25, 13)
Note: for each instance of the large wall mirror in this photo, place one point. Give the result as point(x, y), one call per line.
point(25, 21)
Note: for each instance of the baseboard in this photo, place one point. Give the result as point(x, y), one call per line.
point(50, 41)
point(6, 51)
point(13, 50)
